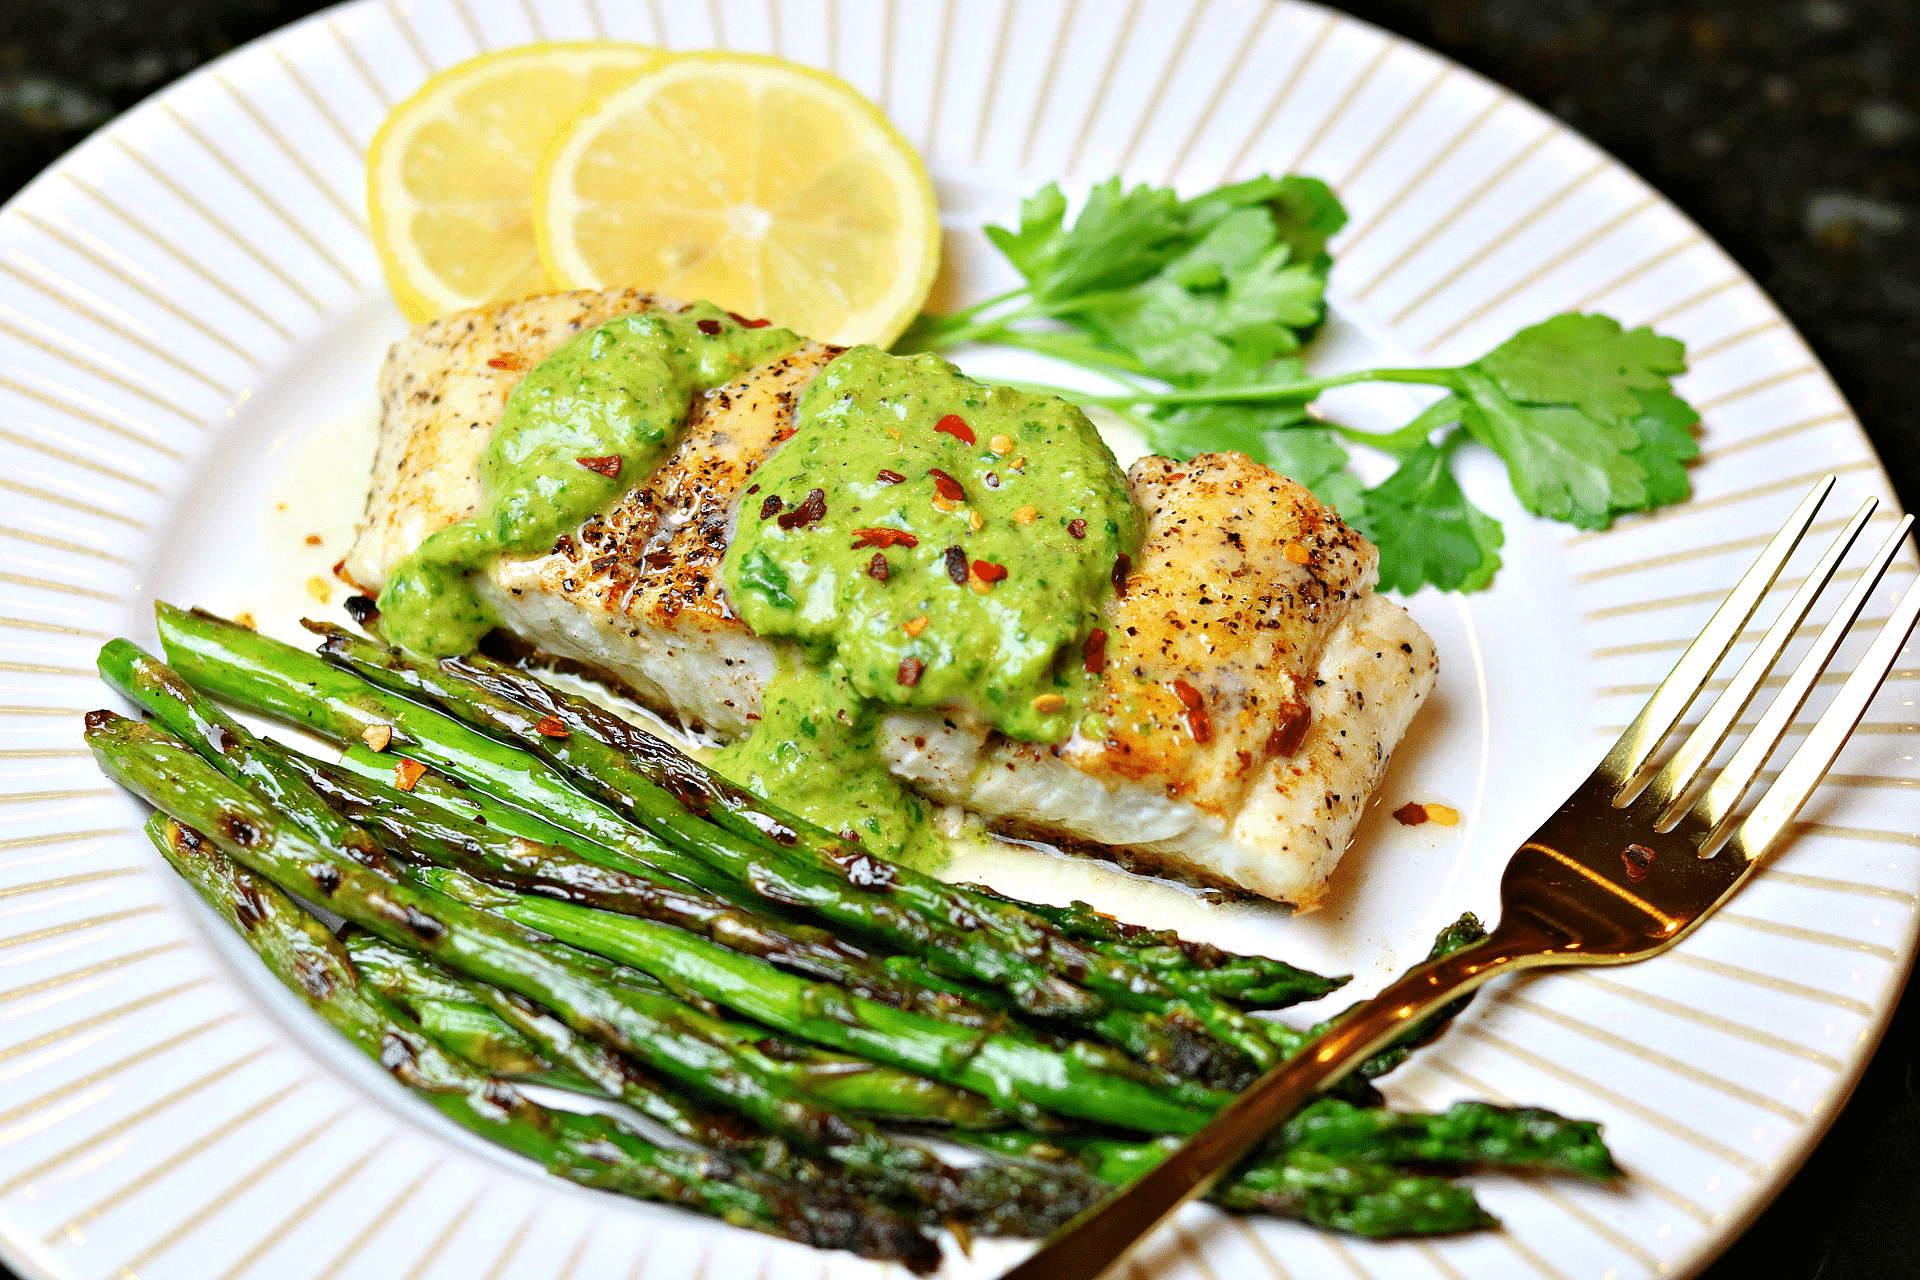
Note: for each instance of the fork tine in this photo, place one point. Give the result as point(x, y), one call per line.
point(1715, 805)
point(1669, 702)
point(1678, 773)
point(1782, 800)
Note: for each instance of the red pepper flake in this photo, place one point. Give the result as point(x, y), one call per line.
point(946, 486)
point(1287, 736)
point(708, 327)
point(608, 466)
point(956, 565)
point(771, 505)
point(550, 727)
point(891, 477)
point(956, 426)
point(745, 323)
point(408, 772)
point(1094, 652)
point(340, 568)
point(986, 571)
point(1410, 814)
point(877, 567)
point(883, 537)
point(1199, 723)
point(910, 669)
point(511, 363)
point(812, 507)
point(1638, 861)
point(1122, 566)
point(1078, 528)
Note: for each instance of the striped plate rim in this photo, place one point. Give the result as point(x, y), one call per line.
point(168, 1121)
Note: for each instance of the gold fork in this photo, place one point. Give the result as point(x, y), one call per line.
point(1625, 868)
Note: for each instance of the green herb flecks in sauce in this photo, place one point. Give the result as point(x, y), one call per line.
point(815, 751)
point(590, 422)
point(928, 541)
point(965, 538)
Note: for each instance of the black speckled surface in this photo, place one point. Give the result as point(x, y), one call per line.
point(1789, 129)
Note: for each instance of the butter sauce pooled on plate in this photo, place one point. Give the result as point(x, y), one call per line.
point(928, 541)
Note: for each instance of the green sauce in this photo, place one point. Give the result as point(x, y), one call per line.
point(863, 577)
point(587, 424)
point(814, 751)
point(924, 539)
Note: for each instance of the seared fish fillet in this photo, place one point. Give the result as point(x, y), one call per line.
point(1255, 685)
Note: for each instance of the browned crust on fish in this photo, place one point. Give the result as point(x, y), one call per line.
point(1212, 646)
point(655, 557)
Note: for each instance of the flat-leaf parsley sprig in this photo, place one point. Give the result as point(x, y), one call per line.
point(1182, 290)
point(1212, 296)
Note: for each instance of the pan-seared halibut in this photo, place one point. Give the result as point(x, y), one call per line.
point(1254, 687)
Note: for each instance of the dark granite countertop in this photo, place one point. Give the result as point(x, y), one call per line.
point(1789, 129)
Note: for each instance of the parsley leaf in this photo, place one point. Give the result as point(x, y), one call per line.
point(1173, 289)
point(1247, 288)
point(1180, 431)
point(1213, 297)
point(1586, 361)
point(1120, 238)
point(1664, 423)
point(1563, 464)
point(1426, 529)
point(1314, 457)
point(1234, 298)
point(1308, 454)
point(1584, 416)
point(1305, 211)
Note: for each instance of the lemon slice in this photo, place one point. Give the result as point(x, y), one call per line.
point(771, 189)
point(450, 174)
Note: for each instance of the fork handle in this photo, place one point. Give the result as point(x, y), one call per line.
point(1085, 1248)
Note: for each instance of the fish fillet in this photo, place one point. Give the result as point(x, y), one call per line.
point(1256, 685)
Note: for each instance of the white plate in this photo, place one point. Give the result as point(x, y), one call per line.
point(189, 299)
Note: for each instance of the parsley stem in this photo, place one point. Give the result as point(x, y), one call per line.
point(993, 330)
point(931, 332)
point(1305, 388)
point(942, 324)
point(1442, 412)
point(1076, 350)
